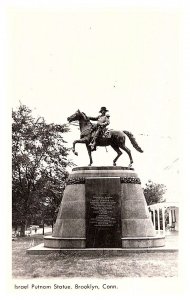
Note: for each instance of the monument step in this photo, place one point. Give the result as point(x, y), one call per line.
point(41, 250)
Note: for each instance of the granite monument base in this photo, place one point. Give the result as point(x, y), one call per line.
point(103, 207)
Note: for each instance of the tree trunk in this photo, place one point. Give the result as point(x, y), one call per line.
point(43, 228)
point(22, 230)
point(15, 228)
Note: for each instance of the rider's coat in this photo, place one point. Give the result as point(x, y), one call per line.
point(101, 120)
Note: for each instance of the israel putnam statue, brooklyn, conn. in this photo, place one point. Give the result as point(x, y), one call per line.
point(93, 135)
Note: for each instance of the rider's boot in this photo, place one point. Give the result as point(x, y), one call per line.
point(93, 145)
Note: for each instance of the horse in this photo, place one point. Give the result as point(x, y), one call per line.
point(115, 139)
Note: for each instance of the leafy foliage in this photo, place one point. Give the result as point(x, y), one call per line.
point(39, 159)
point(154, 192)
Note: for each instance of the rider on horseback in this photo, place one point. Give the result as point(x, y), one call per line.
point(115, 138)
point(100, 127)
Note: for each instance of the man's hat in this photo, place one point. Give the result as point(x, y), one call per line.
point(103, 108)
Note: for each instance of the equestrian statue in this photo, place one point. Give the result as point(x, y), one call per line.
point(93, 135)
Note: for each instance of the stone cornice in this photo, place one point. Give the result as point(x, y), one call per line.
point(81, 180)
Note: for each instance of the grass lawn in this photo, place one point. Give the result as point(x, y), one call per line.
point(96, 266)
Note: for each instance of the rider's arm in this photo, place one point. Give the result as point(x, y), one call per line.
point(93, 118)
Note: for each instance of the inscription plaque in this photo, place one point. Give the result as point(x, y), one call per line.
point(103, 212)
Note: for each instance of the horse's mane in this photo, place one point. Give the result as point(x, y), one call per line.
point(85, 115)
point(87, 118)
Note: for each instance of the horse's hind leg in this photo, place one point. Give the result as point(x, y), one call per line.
point(119, 153)
point(128, 152)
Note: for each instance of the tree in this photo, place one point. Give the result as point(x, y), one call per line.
point(154, 192)
point(39, 160)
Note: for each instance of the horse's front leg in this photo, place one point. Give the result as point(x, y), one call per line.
point(81, 141)
point(89, 153)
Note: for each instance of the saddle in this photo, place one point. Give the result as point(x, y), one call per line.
point(106, 133)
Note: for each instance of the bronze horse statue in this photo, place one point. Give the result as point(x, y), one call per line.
point(115, 139)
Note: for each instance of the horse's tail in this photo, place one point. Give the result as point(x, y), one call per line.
point(133, 141)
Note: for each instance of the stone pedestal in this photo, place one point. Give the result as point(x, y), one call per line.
point(103, 207)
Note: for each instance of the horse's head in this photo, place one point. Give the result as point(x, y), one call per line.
point(77, 116)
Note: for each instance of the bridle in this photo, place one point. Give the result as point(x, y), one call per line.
point(73, 124)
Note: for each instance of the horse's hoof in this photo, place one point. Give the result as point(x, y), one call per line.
point(114, 164)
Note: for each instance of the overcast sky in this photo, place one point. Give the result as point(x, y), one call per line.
point(124, 59)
